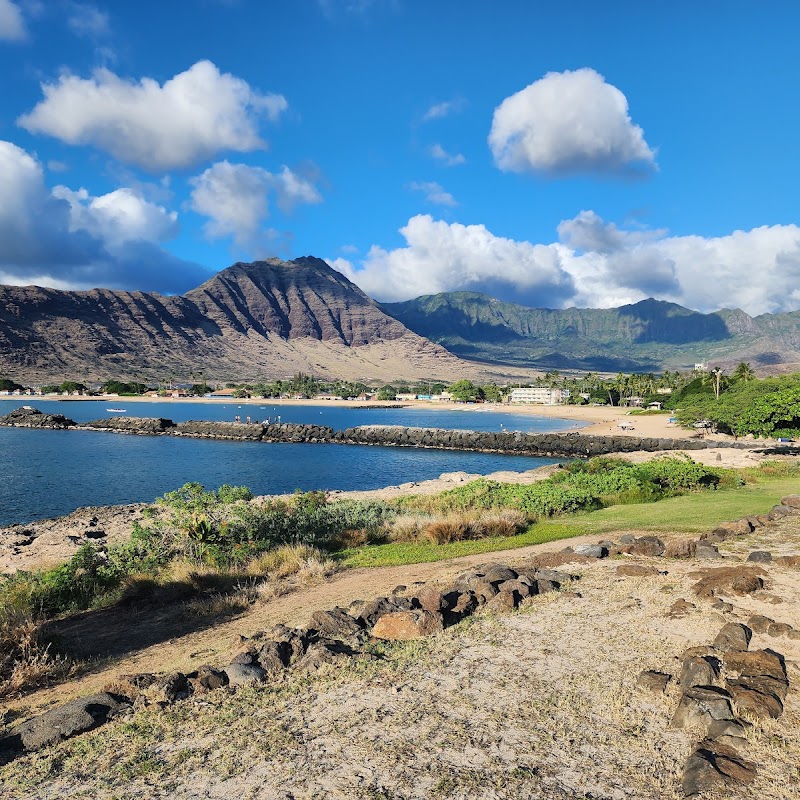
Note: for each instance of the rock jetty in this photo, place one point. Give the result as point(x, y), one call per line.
point(573, 445)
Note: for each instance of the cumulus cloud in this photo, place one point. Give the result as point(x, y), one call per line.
point(434, 193)
point(71, 240)
point(235, 198)
point(188, 119)
point(12, 25)
point(448, 159)
point(119, 216)
point(441, 257)
point(594, 264)
point(569, 123)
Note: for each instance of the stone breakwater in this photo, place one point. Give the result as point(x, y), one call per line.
point(533, 444)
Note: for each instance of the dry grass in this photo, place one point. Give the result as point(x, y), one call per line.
point(457, 527)
point(408, 527)
point(26, 662)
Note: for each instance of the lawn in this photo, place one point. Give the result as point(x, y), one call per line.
point(690, 513)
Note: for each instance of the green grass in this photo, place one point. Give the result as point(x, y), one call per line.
point(398, 554)
point(690, 513)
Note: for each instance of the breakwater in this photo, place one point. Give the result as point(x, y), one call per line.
point(533, 444)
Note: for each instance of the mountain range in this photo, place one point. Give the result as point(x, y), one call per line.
point(651, 335)
point(275, 318)
point(268, 319)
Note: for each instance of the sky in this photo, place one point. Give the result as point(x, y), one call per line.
point(551, 154)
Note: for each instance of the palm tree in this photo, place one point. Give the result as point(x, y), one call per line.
point(743, 372)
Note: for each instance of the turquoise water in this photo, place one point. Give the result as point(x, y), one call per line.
point(49, 473)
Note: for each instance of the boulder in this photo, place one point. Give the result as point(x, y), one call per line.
point(372, 610)
point(404, 625)
point(61, 723)
point(207, 679)
point(590, 550)
point(167, 689)
point(647, 546)
point(653, 681)
point(791, 500)
point(759, 623)
point(705, 551)
point(520, 587)
point(335, 624)
point(700, 705)
point(779, 629)
point(757, 703)
point(429, 598)
point(699, 671)
point(245, 674)
point(321, 654)
point(713, 766)
point(733, 636)
point(503, 602)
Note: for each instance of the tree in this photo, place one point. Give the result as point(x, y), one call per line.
point(464, 391)
point(68, 387)
point(387, 393)
point(743, 372)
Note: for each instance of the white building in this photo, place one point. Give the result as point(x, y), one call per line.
point(542, 396)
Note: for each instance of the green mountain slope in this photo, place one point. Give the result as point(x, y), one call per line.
point(644, 336)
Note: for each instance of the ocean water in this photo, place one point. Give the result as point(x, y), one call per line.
point(49, 473)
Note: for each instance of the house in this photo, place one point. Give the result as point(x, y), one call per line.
point(654, 406)
point(406, 396)
point(540, 395)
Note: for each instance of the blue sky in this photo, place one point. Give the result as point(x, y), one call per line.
point(584, 154)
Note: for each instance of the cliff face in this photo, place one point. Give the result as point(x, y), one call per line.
point(250, 321)
point(649, 335)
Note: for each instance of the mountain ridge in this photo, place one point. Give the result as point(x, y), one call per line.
point(649, 335)
point(247, 322)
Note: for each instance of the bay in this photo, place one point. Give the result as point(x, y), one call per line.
point(50, 473)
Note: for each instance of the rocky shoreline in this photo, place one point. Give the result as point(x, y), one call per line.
point(511, 442)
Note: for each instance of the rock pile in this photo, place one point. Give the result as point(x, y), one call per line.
point(33, 418)
point(719, 682)
point(330, 636)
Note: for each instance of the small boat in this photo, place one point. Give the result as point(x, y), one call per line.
point(117, 410)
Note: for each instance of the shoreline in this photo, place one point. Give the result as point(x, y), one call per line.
point(593, 420)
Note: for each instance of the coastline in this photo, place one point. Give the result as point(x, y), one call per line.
point(595, 420)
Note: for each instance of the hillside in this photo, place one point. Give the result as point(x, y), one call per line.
point(250, 321)
point(649, 335)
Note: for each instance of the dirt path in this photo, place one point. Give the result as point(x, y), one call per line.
point(542, 702)
point(186, 651)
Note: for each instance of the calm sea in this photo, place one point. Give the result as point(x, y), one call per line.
point(49, 473)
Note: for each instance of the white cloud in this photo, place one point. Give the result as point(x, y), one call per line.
point(235, 198)
point(12, 25)
point(595, 264)
point(442, 110)
point(448, 159)
point(119, 216)
point(87, 20)
point(434, 193)
point(188, 119)
point(569, 123)
point(442, 257)
point(292, 189)
point(66, 239)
